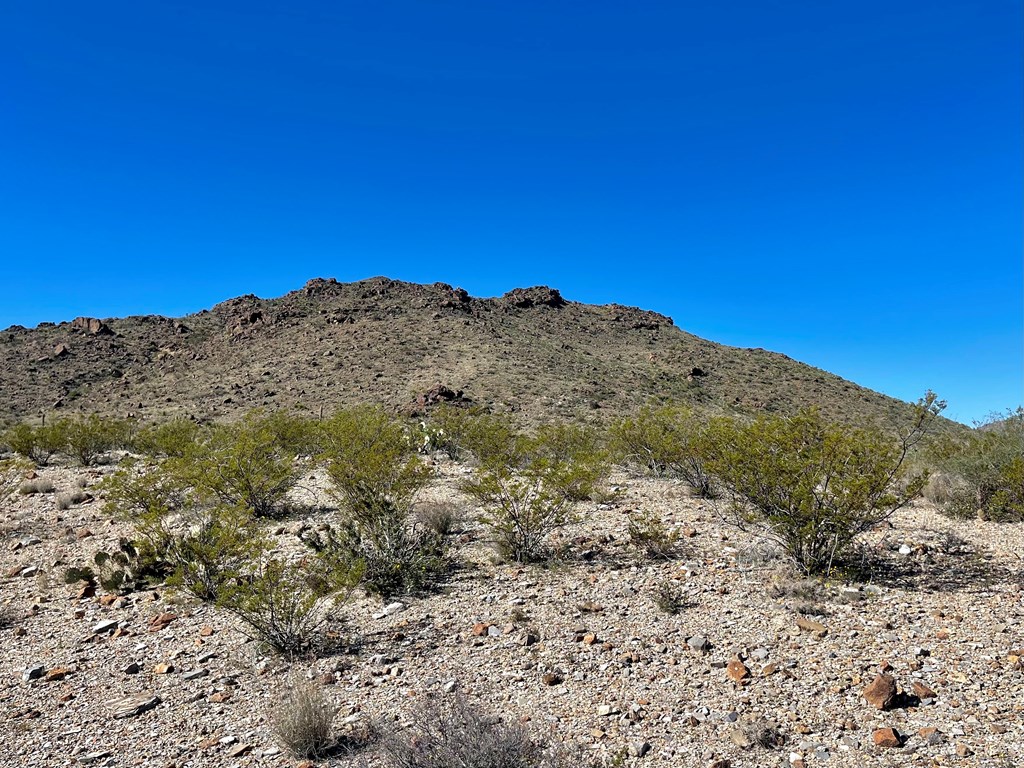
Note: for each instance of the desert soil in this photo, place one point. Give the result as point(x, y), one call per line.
point(579, 651)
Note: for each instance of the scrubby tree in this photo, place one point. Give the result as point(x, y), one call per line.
point(666, 441)
point(985, 469)
point(812, 485)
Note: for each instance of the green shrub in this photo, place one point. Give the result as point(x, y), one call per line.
point(214, 549)
point(38, 444)
point(146, 494)
point(669, 440)
point(171, 439)
point(88, 438)
point(375, 478)
point(124, 570)
point(286, 604)
point(816, 486)
point(985, 469)
point(524, 506)
point(489, 437)
point(649, 534)
point(240, 464)
point(580, 450)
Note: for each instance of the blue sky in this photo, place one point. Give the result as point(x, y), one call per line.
point(840, 182)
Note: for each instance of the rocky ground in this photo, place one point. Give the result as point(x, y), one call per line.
point(755, 669)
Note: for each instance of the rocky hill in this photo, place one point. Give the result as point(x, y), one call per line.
point(331, 344)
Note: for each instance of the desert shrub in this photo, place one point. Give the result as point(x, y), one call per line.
point(170, 439)
point(240, 464)
point(302, 720)
point(814, 486)
point(148, 494)
point(578, 448)
point(66, 500)
point(524, 505)
point(449, 733)
point(36, 485)
point(38, 444)
point(669, 597)
point(669, 440)
point(213, 549)
point(489, 437)
point(442, 518)
point(649, 534)
point(294, 434)
point(88, 438)
point(985, 470)
point(375, 477)
point(285, 604)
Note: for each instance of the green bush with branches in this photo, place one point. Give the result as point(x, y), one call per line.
point(240, 464)
point(814, 486)
point(666, 441)
point(88, 438)
point(37, 444)
point(375, 476)
point(984, 469)
point(169, 439)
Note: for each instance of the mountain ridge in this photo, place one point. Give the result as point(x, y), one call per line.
point(331, 344)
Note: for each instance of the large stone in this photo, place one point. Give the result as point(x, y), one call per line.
point(737, 671)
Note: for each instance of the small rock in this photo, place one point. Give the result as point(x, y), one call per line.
point(132, 669)
point(737, 671)
point(92, 757)
point(164, 668)
point(57, 673)
point(963, 750)
point(922, 691)
point(195, 674)
point(699, 643)
point(551, 678)
point(161, 621)
point(104, 626)
point(240, 750)
point(810, 625)
point(881, 693)
point(639, 749)
point(206, 631)
point(133, 706)
point(33, 673)
point(888, 738)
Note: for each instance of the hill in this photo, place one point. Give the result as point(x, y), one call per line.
point(330, 344)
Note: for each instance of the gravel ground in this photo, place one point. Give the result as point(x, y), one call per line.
point(578, 651)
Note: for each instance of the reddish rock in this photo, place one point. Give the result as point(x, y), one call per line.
point(881, 693)
point(737, 671)
point(922, 691)
point(887, 738)
point(480, 628)
point(161, 621)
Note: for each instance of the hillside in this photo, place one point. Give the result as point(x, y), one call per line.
point(331, 344)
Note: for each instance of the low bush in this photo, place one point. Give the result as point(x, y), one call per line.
point(375, 477)
point(241, 464)
point(449, 733)
point(666, 441)
point(170, 439)
point(285, 604)
point(649, 534)
point(88, 438)
point(37, 444)
point(983, 470)
point(814, 486)
point(36, 485)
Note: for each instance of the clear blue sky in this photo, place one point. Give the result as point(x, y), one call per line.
point(840, 182)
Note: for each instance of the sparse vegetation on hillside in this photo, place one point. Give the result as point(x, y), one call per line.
point(983, 471)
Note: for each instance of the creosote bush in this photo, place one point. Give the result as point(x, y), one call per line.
point(649, 534)
point(285, 604)
point(37, 444)
point(239, 464)
point(983, 471)
point(375, 475)
point(814, 486)
point(170, 439)
point(666, 441)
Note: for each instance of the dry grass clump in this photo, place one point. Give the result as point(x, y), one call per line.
point(67, 500)
point(36, 485)
point(303, 720)
point(450, 733)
